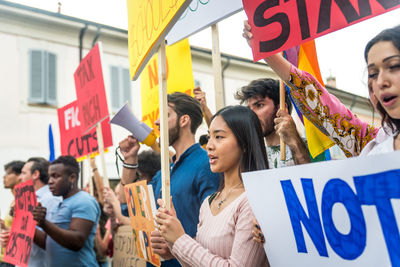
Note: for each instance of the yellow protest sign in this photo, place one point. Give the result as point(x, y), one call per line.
point(179, 79)
point(142, 221)
point(148, 24)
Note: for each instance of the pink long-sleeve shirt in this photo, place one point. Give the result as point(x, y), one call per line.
point(222, 240)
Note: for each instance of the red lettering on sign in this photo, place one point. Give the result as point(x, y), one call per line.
point(73, 142)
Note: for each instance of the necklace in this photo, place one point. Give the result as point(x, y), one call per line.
point(219, 204)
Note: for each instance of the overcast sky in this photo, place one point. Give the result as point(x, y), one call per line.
point(340, 53)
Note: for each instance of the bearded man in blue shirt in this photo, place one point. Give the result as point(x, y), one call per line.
point(191, 178)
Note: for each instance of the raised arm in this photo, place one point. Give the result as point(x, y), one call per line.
point(277, 62)
point(201, 97)
point(98, 180)
point(129, 148)
point(112, 206)
point(324, 110)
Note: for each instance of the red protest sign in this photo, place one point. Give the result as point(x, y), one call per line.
point(279, 25)
point(90, 91)
point(19, 245)
point(73, 141)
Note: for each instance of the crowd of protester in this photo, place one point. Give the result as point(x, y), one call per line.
point(210, 222)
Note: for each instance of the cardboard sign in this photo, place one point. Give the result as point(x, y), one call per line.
point(335, 213)
point(19, 246)
point(201, 14)
point(279, 25)
point(125, 253)
point(90, 90)
point(142, 220)
point(179, 79)
point(73, 142)
point(148, 24)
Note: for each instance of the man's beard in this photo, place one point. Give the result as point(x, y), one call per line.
point(174, 133)
point(269, 127)
point(269, 124)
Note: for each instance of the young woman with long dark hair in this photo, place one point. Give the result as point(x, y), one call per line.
point(224, 231)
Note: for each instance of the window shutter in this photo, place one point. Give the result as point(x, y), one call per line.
point(126, 86)
point(36, 92)
point(51, 79)
point(115, 94)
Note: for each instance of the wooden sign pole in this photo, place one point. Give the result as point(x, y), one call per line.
point(90, 175)
point(101, 150)
point(282, 105)
point(217, 69)
point(164, 141)
point(1, 230)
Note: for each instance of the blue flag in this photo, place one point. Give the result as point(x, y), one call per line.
point(52, 155)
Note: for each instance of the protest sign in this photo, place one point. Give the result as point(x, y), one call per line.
point(125, 253)
point(148, 24)
point(73, 142)
point(279, 25)
point(141, 216)
point(19, 245)
point(201, 14)
point(179, 79)
point(90, 90)
point(335, 213)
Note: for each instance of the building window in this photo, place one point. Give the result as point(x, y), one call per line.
point(43, 78)
point(120, 87)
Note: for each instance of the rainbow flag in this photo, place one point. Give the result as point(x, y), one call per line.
point(305, 58)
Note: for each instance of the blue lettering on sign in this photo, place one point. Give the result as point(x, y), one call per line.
point(312, 223)
point(374, 189)
point(348, 246)
point(132, 202)
point(377, 189)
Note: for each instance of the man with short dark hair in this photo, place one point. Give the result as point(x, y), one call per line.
point(262, 96)
point(13, 170)
point(149, 163)
point(10, 180)
point(191, 178)
point(36, 168)
point(68, 237)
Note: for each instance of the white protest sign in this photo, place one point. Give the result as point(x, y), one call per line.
point(336, 213)
point(201, 14)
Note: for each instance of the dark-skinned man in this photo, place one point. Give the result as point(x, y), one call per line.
point(69, 237)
